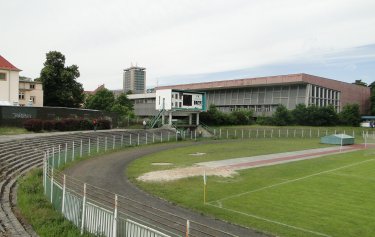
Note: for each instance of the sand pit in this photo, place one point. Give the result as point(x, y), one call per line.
point(180, 173)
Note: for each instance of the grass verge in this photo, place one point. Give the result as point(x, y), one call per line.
point(37, 210)
point(12, 131)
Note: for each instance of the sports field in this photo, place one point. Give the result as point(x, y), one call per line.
point(328, 196)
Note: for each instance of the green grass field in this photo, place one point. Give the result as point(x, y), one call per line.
point(12, 131)
point(327, 196)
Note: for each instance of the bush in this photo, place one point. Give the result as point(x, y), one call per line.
point(34, 125)
point(48, 125)
point(85, 124)
point(71, 124)
point(60, 125)
point(103, 124)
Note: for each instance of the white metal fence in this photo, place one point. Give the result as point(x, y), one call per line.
point(103, 213)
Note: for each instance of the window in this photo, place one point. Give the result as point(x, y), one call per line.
point(3, 76)
point(32, 98)
point(32, 86)
point(21, 96)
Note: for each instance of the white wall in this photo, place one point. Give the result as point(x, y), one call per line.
point(163, 96)
point(9, 87)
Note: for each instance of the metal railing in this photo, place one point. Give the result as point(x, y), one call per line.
point(103, 213)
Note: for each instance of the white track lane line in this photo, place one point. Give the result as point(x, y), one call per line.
point(272, 221)
point(292, 180)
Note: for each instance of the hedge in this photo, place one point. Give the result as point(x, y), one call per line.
point(69, 124)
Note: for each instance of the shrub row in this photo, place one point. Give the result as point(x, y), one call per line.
point(37, 125)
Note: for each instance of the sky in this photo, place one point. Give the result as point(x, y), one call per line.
point(192, 40)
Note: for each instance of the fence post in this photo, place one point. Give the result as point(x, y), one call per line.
point(130, 139)
point(294, 132)
point(287, 132)
point(257, 133)
point(318, 132)
point(161, 136)
point(63, 196)
point(187, 228)
point(89, 146)
point(45, 173)
point(81, 149)
point(271, 133)
point(73, 150)
point(66, 152)
point(326, 132)
point(97, 145)
point(302, 132)
point(138, 140)
point(146, 138)
point(83, 208)
point(353, 133)
point(264, 133)
point(153, 137)
point(310, 132)
point(235, 133)
point(122, 140)
point(220, 133)
point(114, 142)
point(214, 131)
point(168, 136)
point(227, 134)
point(114, 231)
point(249, 133)
point(242, 133)
point(53, 157)
point(105, 144)
point(52, 185)
point(279, 133)
point(58, 162)
point(195, 135)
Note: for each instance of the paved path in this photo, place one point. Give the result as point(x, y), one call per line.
point(108, 172)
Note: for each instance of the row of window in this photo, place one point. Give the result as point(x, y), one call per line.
point(21, 96)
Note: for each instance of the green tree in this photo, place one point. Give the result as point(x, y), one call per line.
point(350, 115)
point(282, 116)
point(359, 83)
point(101, 100)
point(123, 100)
point(60, 87)
point(299, 114)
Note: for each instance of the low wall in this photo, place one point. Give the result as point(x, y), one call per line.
point(17, 115)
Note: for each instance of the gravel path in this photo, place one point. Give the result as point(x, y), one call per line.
point(107, 172)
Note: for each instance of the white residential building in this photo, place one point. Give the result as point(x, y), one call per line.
point(9, 83)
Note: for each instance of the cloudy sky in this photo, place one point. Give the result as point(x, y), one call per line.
point(192, 40)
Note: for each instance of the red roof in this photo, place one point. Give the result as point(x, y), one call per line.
point(4, 64)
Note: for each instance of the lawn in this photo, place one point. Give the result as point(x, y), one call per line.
point(12, 131)
point(327, 196)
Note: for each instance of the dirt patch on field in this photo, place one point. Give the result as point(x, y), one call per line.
point(180, 173)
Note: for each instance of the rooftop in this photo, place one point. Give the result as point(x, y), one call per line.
point(5, 64)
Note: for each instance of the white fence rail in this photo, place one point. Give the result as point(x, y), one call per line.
point(100, 212)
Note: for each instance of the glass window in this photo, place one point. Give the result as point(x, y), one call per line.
point(32, 86)
point(3, 76)
point(21, 96)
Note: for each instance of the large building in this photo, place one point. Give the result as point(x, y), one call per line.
point(9, 77)
point(135, 80)
point(264, 94)
point(30, 93)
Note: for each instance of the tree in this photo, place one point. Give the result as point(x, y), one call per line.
point(282, 116)
point(350, 115)
point(101, 100)
point(124, 101)
point(360, 83)
point(60, 87)
point(299, 114)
